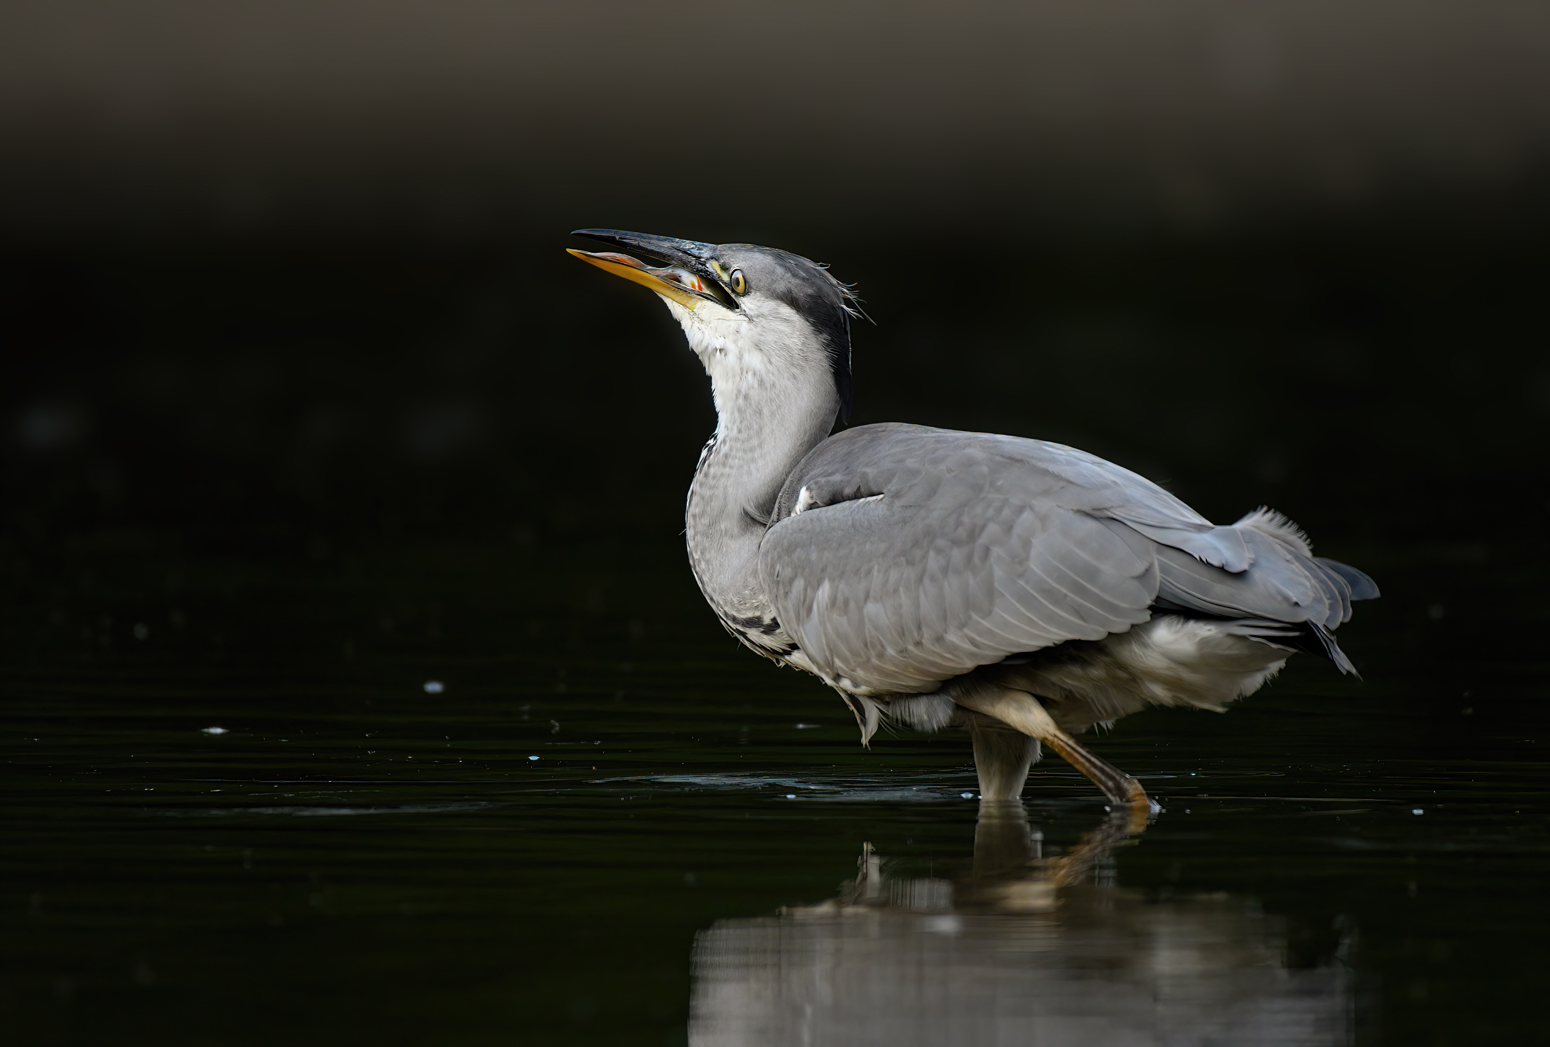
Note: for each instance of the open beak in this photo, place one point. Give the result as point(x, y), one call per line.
point(689, 276)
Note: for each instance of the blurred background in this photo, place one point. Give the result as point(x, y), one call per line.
point(289, 272)
point(304, 410)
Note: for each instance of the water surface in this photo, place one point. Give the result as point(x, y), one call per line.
point(481, 794)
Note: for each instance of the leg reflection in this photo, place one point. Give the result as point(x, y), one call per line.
point(1017, 945)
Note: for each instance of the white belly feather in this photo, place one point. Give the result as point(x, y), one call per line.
point(1166, 661)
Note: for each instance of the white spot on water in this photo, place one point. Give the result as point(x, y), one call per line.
point(532, 757)
point(1416, 810)
point(967, 796)
point(791, 796)
point(434, 687)
point(805, 726)
point(213, 730)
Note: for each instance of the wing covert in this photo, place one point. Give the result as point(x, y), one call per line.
point(903, 560)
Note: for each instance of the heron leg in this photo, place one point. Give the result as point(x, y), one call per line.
point(1001, 759)
point(1027, 714)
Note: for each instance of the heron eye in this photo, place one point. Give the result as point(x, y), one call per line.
point(738, 283)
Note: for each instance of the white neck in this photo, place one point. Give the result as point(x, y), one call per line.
point(773, 405)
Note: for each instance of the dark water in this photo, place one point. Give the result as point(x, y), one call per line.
point(241, 812)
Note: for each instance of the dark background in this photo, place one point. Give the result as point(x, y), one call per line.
point(290, 273)
point(302, 405)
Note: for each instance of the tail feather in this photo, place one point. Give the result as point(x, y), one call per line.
point(1362, 587)
point(1332, 649)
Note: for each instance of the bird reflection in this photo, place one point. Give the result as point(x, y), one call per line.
point(1011, 947)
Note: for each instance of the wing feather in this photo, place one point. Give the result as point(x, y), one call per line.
point(961, 563)
point(983, 547)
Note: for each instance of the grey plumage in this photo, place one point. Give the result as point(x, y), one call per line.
point(950, 577)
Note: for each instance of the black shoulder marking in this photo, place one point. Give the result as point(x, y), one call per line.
point(764, 626)
point(751, 632)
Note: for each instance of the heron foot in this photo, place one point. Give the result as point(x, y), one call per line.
point(1027, 714)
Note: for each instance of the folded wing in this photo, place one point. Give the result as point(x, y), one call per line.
point(902, 556)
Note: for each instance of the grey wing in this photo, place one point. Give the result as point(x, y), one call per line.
point(903, 556)
point(1261, 567)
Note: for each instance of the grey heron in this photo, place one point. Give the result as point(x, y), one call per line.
point(1019, 588)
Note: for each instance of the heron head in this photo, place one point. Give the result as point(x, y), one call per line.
point(747, 310)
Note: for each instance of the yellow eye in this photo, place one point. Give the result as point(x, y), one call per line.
point(738, 283)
